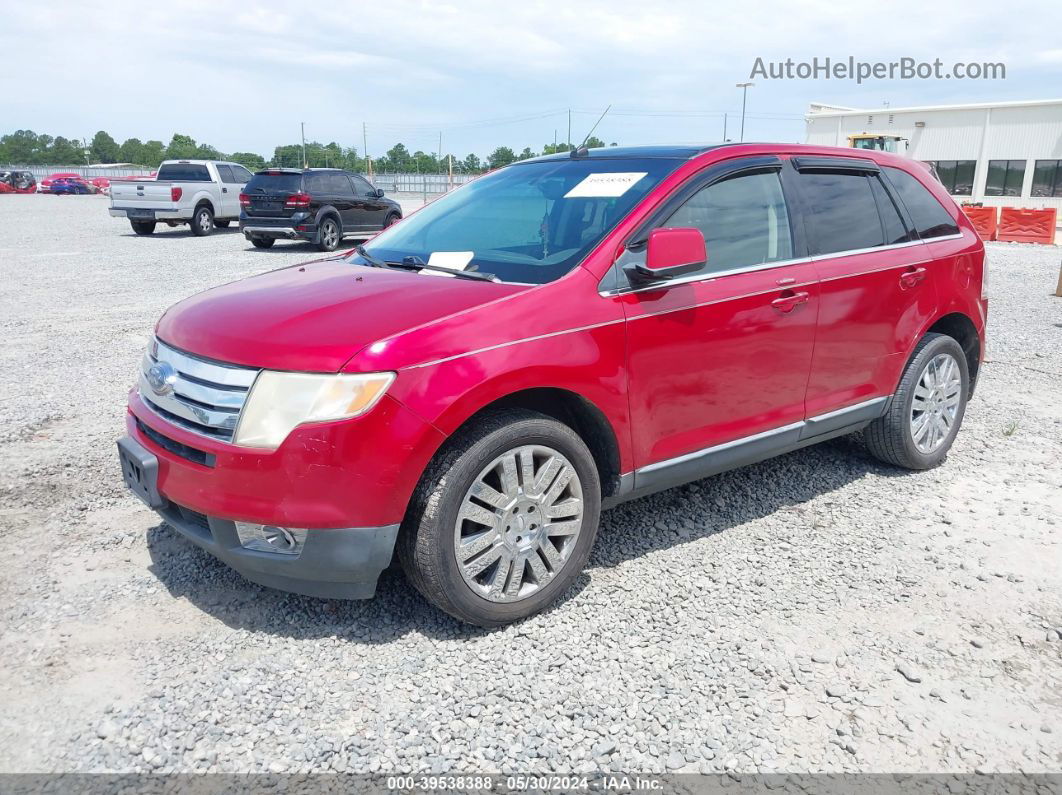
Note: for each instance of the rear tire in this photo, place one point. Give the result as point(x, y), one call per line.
point(263, 242)
point(927, 410)
point(328, 235)
point(143, 227)
point(221, 224)
point(202, 221)
point(436, 530)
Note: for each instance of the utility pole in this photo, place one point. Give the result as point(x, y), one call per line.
point(744, 93)
point(302, 126)
point(724, 128)
point(365, 149)
point(438, 156)
point(569, 129)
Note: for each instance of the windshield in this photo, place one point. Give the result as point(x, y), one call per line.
point(529, 222)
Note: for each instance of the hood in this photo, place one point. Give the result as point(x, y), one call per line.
point(315, 316)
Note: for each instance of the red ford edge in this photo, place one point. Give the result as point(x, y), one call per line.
point(473, 386)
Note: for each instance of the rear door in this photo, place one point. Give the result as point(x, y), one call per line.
point(876, 285)
point(722, 356)
point(230, 192)
point(268, 191)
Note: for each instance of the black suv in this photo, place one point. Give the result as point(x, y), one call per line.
point(321, 205)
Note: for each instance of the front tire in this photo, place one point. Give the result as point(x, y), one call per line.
point(927, 410)
point(503, 519)
point(221, 224)
point(202, 221)
point(143, 227)
point(328, 235)
point(391, 220)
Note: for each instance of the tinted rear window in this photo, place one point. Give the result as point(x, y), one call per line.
point(184, 172)
point(274, 183)
point(929, 216)
point(891, 217)
point(843, 215)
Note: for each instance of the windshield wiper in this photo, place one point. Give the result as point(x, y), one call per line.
point(417, 264)
point(369, 258)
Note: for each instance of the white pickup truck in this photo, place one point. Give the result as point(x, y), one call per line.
point(202, 193)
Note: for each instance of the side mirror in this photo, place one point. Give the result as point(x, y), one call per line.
point(670, 253)
point(379, 193)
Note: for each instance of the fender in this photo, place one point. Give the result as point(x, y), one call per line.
point(204, 197)
point(328, 211)
point(586, 364)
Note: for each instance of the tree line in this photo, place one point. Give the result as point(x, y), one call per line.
point(27, 148)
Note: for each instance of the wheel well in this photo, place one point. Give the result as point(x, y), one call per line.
point(208, 203)
point(960, 328)
point(581, 416)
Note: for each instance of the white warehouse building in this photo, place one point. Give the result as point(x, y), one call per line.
point(998, 153)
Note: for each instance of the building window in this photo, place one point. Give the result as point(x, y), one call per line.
point(956, 175)
point(1005, 177)
point(1047, 178)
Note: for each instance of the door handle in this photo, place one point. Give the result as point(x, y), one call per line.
point(789, 301)
point(911, 277)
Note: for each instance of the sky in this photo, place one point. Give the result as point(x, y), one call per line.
point(241, 76)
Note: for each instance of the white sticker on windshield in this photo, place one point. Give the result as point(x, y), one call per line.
point(454, 260)
point(602, 186)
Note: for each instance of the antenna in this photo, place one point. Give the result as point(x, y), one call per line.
point(599, 118)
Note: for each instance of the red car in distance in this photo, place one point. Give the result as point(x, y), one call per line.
point(45, 184)
point(470, 388)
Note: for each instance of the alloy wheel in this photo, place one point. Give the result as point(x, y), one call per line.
point(518, 523)
point(936, 401)
point(330, 234)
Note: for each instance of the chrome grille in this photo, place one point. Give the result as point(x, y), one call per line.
point(206, 397)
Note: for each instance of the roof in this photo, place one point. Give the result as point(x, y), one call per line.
point(664, 152)
point(289, 170)
point(820, 110)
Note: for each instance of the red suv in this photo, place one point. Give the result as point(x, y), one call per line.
point(476, 383)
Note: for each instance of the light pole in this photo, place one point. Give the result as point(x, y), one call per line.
point(302, 127)
point(744, 93)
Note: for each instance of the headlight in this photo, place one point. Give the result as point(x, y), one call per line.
point(278, 402)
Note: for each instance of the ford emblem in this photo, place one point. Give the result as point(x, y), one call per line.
point(161, 378)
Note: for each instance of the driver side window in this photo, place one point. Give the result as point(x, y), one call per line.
point(743, 219)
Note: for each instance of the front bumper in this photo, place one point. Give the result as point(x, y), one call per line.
point(349, 473)
point(333, 563)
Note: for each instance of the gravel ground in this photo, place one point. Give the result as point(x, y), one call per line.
point(818, 612)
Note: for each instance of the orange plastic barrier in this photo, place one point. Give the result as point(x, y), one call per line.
point(1019, 225)
point(984, 221)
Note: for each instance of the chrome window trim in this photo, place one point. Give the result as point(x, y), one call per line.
point(704, 277)
point(707, 277)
